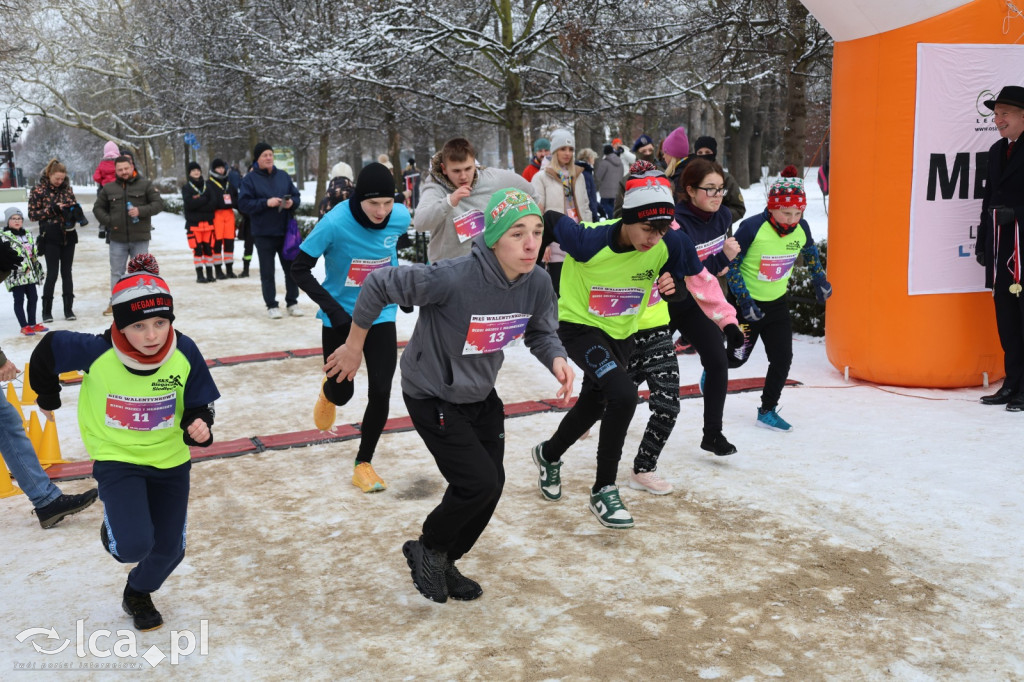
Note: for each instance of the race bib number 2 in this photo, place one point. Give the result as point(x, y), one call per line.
point(491, 333)
point(613, 302)
point(469, 225)
point(774, 268)
point(140, 414)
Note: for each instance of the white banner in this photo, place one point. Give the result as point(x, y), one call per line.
point(953, 131)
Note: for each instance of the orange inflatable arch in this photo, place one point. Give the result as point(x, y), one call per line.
point(875, 329)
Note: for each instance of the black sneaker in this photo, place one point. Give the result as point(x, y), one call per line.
point(717, 444)
point(428, 570)
point(65, 505)
point(139, 605)
point(459, 586)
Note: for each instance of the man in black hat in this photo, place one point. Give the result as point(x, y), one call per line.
point(999, 237)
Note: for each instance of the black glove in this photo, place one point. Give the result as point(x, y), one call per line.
point(1004, 215)
point(750, 311)
point(340, 318)
point(822, 289)
point(734, 335)
point(9, 258)
point(101, 232)
point(406, 308)
point(980, 257)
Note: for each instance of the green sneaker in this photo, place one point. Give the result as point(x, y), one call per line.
point(608, 508)
point(550, 481)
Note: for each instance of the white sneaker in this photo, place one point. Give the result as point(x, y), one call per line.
point(293, 310)
point(651, 482)
point(274, 313)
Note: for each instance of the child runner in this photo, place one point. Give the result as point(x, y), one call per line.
point(355, 238)
point(225, 199)
point(198, 205)
point(146, 397)
point(705, 220)
point(606, 282)
point(759, 277)
point(22, 282)
point(471, 307)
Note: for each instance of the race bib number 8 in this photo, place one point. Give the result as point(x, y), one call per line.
point(613, 302)
point(140, 414)
point(491, 333)
point(774, 268)
point(469, 225)
point(361, 267)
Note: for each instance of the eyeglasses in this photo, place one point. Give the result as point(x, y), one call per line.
point(715, 191)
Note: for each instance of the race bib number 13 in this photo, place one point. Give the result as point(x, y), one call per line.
point(491, 333)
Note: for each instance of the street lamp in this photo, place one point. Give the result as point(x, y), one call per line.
point(8, 176)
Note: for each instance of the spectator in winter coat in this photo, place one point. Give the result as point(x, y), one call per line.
point(999, 237)
point(198, 205)
point(411, 175)
point(338, 189)
point(454, 197)
point(608, 174)
point(268, 196)
point(225, 199)
point(560, 187)
point(126, 206)
point(541, 151)
point(585, 160)
point(23, 279)
point(47, 203)
point(627, 156)
point(244, 227)
point(104, 172)
point(706, 147)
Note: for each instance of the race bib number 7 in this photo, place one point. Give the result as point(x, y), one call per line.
point(491, 333)
point(613, 301)
point(774, 268)
point(140, 414)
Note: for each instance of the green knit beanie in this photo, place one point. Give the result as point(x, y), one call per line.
point(505, 208)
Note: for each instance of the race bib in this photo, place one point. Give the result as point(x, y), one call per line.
point(140, 414)
point(227, 199)
point(491, 333)
point(361, 267)
point(774, 268)
point(710, 248)
point(612, 301)
point(655, 297)
point(469, 225)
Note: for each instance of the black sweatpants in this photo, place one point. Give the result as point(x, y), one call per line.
point(145, 511)
point(1010, 325)
point(380, 352)
point(776, 330)
point(59, 259)
point(607, 394)
point(468, 444)
point(654, 361)
point(706, 338)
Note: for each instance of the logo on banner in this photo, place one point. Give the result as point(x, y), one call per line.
point(979, 105)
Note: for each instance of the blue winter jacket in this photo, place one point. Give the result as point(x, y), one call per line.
point(257, 187)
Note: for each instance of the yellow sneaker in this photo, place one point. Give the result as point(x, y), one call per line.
point(366, 479)
point(324, 412)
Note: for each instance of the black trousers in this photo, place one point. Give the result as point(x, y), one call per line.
point(468, 444)
point(381, 355)
point(1010, 324)
point(706, 338)
point(654, 362)
point(59, 258)
point(608, 394)
point(776, 330)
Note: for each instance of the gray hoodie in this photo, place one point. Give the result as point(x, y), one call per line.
point(435, 215)
point(440, 360)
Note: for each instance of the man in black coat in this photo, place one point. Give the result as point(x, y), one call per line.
point(999, 240)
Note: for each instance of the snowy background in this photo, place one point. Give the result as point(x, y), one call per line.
point(879, 540)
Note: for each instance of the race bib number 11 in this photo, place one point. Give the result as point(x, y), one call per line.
point(140, 414)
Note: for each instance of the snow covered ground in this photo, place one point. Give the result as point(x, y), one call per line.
point(879, 540)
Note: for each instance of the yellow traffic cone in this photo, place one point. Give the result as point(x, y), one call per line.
point(49, 452)
point(35, 431)
point(28, 396)
point(7, 488)
point(12, 398)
